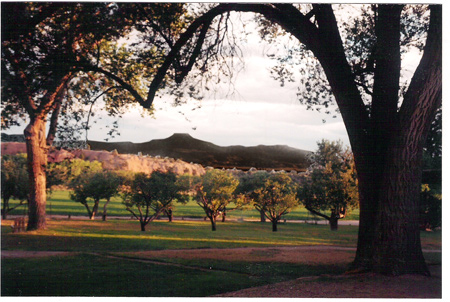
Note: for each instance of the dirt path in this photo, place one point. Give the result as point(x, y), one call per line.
point(351, 286)
point(33, 254)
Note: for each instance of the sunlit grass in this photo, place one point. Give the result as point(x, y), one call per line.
point(59, 203)
point(119, 235)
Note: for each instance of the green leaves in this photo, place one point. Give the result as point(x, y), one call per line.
point(14, 177)
point(96, 185)
point(331, 183)
point(215, 191)
point(277, 196)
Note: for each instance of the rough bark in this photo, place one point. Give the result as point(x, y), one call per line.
point(368, 201)
point(37, 163)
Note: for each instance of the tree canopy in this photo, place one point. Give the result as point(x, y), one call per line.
point(330, 184)
point(147, 196)
point(276, 197)
point(215, 192)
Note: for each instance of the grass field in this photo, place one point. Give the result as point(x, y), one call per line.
point(119, 235)
point(91, 271)
point(59, 203)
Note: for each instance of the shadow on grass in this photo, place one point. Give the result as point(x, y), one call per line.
point(92, 275)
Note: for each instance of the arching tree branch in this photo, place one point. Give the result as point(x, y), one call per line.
point(121, 82)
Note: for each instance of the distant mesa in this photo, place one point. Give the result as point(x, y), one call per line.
point(184, 147)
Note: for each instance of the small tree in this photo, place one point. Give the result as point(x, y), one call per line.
point(248, 184)
point(277, 197)
point(330, 184)
point(14, 181)
point(215, 192)
point(95, 185)
point(146, 197)
point(185, 186)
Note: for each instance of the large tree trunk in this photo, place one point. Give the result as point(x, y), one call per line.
point(368, 204)
point(397, 247)
point(37, 163)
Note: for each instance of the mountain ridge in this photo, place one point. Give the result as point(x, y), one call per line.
point(187, 148)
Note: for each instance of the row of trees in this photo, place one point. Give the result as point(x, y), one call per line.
point(217, 192)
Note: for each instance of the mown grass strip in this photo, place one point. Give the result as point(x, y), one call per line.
point(59, 203)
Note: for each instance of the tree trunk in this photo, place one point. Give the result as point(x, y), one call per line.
point(263, 216)
point(105, 209)
point(397, 248)
point(333, 223)
point(143, 224)
point(224, 215)
point(274, 225)
point(37, 163)
point(5, 208)
point(88, 210)
point(213, 222)
point(368, 204)
point(94, 209)
point(169, 214)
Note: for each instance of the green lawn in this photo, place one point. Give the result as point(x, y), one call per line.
point(59, 203)
point(91, 272)
point(119, 235)
point(91, 275)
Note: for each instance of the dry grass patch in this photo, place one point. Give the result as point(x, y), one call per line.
point(310, 255)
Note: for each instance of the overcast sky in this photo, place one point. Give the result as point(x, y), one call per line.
point(261, 112)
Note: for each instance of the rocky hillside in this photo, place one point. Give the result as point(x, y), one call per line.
point(115, 161)
point(189, 149)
